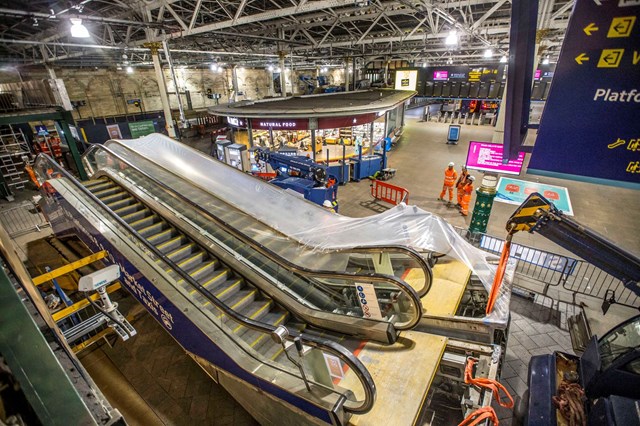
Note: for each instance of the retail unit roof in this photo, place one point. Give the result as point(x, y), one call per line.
point(324, 105)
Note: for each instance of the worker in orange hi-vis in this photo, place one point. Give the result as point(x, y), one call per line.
point(450, 177)
point(467, 190)
point(462, 180)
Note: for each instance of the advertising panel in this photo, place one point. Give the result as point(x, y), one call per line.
point(515, 191)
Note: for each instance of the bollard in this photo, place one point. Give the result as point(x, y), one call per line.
point(484, 202)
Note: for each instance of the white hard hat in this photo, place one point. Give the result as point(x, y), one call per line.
point(327, 203)
point(472, 178)
point(451, 164)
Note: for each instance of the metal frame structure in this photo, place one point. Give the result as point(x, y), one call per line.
point(254, 33)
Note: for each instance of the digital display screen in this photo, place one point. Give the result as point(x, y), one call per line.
point(488, 156)
point(538, 74)
point(441, 75)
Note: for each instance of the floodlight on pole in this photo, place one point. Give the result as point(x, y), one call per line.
point(503, 60)
point(488, 53)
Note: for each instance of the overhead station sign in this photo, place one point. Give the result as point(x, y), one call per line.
point(406, 79)
point(590, 128)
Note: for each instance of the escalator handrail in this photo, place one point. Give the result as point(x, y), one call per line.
point(373, 248)
point(402, 285)
point(323, 344)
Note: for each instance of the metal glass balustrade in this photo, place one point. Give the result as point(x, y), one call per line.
point(326, 291)
point(247, 316)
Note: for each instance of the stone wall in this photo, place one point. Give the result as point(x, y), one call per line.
point(106, 91)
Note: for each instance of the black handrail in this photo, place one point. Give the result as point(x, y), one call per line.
point(323, 344)
point(285, 263)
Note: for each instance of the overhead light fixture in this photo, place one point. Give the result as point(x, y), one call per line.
point(452, 38)
point(241, 69)
point(278, 69)
point(424, 65)
point(220, 69)
point(129, 70)
point(350, 71)
point(450, 61)
point(119, 68)
point(503, 60)
point(213, 67)
point(545, 61)
point(78, 30)
point(270, 68)
point(488, 53)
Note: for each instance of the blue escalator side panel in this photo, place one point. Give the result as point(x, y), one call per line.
point(190, 337)
point(542, 387)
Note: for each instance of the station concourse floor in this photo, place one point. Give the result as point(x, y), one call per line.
point(153, 382)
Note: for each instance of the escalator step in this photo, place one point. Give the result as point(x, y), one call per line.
point(98, 185)
point(215, 277)
point(182, 251)
point(256, 339)
point(128, 209)
point(241, 299)
point(202, 273)
point(192, 260)
point(143, 222)
point(118, 196)
point(161, 236)
point(225, 291)
point(166, 246)
point(105, 192)
point(254, 310)
point(132, 217)
point(116, 205)
point(152, 231)
point(272, 351)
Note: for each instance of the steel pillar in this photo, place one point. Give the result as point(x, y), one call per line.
point(162, 87)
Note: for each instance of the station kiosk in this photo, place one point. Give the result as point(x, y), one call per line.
point(237, 156)
point(221, 151)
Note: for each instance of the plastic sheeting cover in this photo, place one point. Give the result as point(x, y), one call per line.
point(312, 225)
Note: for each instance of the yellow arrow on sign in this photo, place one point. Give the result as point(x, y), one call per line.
point(590, 28)
point(581, 58)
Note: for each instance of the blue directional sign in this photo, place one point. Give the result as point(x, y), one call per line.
point(590, 127)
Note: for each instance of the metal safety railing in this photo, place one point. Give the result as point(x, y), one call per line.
point(388, 193)
point(22, 219)
point(574, 275)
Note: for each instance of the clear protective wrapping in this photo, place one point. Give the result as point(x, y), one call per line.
point(312, 225)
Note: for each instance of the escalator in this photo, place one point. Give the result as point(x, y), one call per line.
point(292, 344)
point(325, 299)
point(232, 329)
point(389, 259)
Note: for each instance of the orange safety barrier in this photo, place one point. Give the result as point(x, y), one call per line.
point(489, 384)
point(265, 176)
point(391, 194)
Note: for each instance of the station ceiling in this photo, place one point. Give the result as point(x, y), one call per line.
point(255, 32)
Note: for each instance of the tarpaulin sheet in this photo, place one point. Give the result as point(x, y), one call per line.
point(311, 224)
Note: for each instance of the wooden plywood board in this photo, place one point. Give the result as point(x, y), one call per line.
point(450, 279)
point(402, 373)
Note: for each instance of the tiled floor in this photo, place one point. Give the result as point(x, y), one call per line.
point(537, 327)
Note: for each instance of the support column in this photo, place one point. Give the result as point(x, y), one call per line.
point(346, 74)
point(234, 82)
point(250, 133)
point(71, 143)
point(353, 73)
point(484, 202)
point(154, 47)
point(283, 80)
point(175, 82)
point(313, 145)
